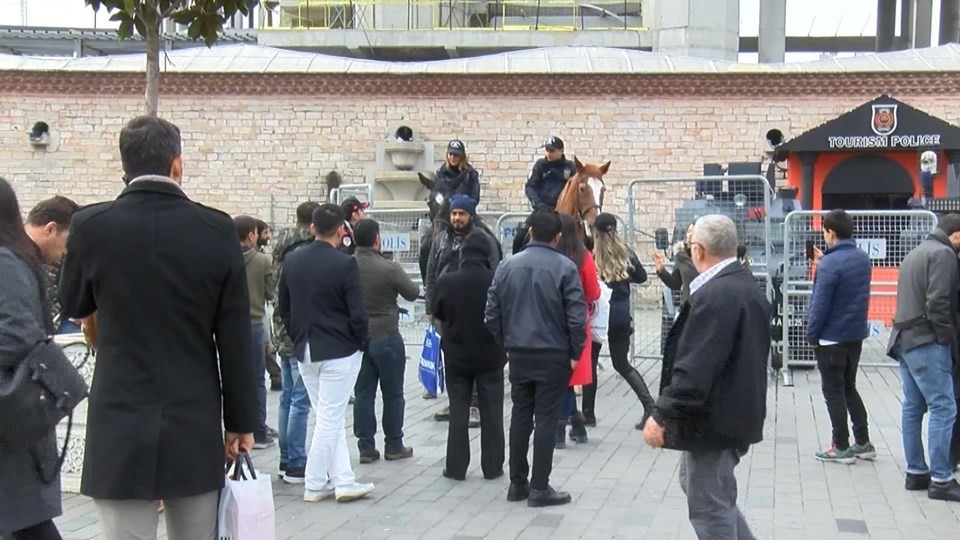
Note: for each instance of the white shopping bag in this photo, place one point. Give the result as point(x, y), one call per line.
point(246, 503)
point(600, 315)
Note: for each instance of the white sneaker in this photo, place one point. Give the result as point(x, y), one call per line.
point(352, 492)
point(326, 492)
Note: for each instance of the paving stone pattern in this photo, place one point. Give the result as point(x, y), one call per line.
point(621, 488)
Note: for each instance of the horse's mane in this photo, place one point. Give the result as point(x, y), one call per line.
point(569, 203)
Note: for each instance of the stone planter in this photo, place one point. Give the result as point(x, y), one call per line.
point(404, 155)
point(399, 189)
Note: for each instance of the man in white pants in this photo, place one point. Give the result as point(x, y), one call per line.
point(321, 305)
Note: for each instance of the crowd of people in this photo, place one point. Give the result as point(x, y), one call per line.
point(187, 333)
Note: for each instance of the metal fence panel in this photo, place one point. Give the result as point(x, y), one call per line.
point(363, 192)
point(887, 237)
point(673, 204)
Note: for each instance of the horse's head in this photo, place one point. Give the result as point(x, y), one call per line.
point(583, 196)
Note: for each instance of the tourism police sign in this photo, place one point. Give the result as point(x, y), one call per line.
point(882, 124)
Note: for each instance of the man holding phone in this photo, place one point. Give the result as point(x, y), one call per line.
point(836, 329)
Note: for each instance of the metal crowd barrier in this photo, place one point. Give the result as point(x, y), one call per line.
point(887, 237)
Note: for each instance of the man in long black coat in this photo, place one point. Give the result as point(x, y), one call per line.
point(174, 343)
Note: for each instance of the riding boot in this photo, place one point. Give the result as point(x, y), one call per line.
point(589, 402)
point(639, 386)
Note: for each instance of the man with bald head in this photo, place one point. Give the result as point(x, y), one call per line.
point(715, 360)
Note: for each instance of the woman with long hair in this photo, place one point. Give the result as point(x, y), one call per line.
point(619, 267)
point(29, 479)
point(573, 247)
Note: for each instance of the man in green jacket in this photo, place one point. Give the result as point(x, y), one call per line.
point(261, 286)
point(294, 401)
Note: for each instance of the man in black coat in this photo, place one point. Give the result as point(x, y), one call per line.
point(174, 343)
point(321, 306)
point(472, 359)
point(715, 404)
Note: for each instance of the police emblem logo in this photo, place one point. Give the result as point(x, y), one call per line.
point(347, 241)
point(567, 173)
point(884, 120)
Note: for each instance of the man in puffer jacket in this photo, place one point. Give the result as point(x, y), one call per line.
point(836, 329)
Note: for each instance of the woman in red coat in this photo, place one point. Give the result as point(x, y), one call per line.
point(573, 247)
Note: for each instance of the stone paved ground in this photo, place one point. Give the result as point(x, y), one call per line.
point(620, 487)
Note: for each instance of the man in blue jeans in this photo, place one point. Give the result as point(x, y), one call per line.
point(923, 341)
point(381, 281)
point(294, 402)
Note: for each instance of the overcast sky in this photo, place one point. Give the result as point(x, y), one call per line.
point(804, 17)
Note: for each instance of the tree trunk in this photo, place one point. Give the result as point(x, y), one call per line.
point(152, 93)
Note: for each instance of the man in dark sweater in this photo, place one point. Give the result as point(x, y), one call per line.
point(472, 358)
point(537, 312)
point(381, 280)
point(836, 329)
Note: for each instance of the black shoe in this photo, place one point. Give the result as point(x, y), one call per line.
point(946, 491)
point(493, 476)
point(443, 415)
point(276, 386)
point(369, 457)
point(917, 482)
point(453, 476)
point(547, 497)
point(262, 441)
point(578, 429)
point(283, 466)
point(295, 476)
point(589, 420)
point(518, 492)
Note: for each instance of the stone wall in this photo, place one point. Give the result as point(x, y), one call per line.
point(263, 151)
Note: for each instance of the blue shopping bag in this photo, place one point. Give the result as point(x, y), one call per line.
point(431, 363)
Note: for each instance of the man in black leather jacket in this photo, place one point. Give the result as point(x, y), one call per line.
point(543, 328)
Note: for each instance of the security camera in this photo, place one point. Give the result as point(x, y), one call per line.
point(774, 138)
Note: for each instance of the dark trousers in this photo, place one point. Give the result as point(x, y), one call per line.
point(537, 389)
point(41, 531)
point(838, 375)
point(259, 337)
point(489, 388)
point(618, 338)
point(590, 390)
point(383, 363)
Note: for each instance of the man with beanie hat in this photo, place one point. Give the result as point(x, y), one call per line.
point(445, 255)
point(472, 360)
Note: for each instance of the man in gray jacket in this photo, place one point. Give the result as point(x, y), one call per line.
point(537, 313)
point(923, 339)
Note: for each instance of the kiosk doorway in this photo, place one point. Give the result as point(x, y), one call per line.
point(868, 182)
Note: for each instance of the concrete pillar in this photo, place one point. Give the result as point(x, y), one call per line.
point(886, 25)
point(699, 28)
point(923, 17)
point(773, 31)
point(906, 24)
point(949, 21)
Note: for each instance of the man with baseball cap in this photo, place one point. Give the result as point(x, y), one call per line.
point(353, 209)
point(549, 176)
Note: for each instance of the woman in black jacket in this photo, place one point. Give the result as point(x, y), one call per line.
point(683, 273)
point(29, 478)
point(619, 268)
point(471, 358)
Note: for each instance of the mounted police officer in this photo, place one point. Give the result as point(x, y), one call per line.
point(448, 180)
point(353, 209)
point(549, 176)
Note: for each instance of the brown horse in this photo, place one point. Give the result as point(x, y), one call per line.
point(582, 198)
